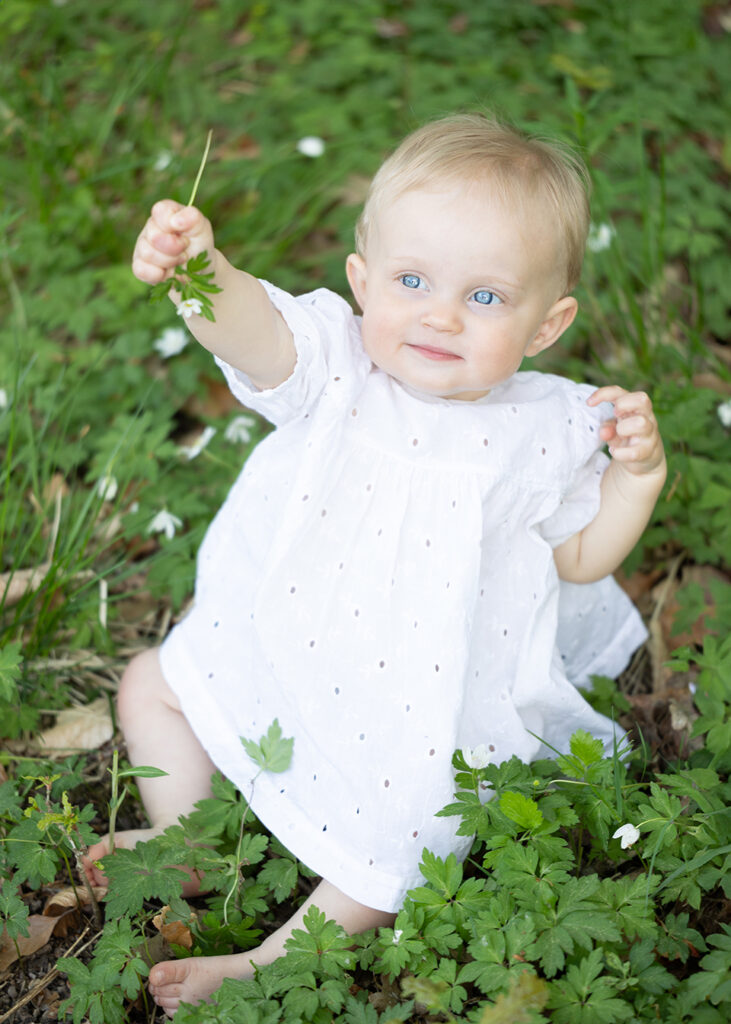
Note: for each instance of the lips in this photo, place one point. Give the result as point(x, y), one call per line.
point(435, 354)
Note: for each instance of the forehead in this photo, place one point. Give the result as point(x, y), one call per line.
point(472, 224)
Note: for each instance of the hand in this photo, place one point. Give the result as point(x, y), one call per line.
point(172, 235)
point(633, 437)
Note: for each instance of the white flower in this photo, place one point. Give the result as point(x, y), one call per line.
point(165, 522)
point(4, 400)
point(311, 145)
point(187, 307)
point(239, 429)
point(398, 932)
point(477, 757)
point(162, 160)
point(192, 450)
point(107, 487)
point(600, 237)
point(627, 834)
point(724, 413)
point(172, 341)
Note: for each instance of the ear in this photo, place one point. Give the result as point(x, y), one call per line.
point(558, 318)
point(355, 269)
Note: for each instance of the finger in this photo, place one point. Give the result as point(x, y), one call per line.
point(164, 243)
point(163, 212)
point(151, 266)
point(159, 254)
point(609, 393)
point(633, 402)
point(638, 426)
point(628, 452)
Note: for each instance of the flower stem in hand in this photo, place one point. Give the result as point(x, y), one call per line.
point(194, 285)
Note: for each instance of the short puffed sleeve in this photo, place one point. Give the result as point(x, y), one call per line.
point(324, 330)
point(581, 497)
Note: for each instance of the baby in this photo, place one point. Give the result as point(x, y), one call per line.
point(417, 559)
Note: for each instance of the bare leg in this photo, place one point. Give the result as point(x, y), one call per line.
point(194, 979)
point(157, 734)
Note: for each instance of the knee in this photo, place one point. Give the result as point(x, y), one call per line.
point(137, 686)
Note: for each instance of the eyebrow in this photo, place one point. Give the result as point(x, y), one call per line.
point(409, 260)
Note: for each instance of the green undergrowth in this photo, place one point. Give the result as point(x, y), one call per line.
point(118, 443)
point(550, 918)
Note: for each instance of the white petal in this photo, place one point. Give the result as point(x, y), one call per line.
point(724, 413)
point(311, 145)
point(627, 834)
point(162, 160)
point(191, 451)
point(4, 400)
point(172, 341)
point(188, 307)
point(600, 237)
point(107, 487)
point(165, 522)
point(239, 429)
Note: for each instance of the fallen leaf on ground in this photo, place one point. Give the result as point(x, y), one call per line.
point(78, 728)
point(15, 585)
point(40, 930)
point(700, 576)
point(173, 931)
point(64, 906)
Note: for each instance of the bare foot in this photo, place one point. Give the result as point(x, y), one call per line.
point(127, 841)
point(194, 979)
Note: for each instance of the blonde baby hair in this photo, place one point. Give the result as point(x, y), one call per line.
point(479, 150)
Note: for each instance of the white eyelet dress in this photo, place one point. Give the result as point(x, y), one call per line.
point(380, 579)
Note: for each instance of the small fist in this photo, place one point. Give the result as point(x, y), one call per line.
point(633, 436)
point(172, 235)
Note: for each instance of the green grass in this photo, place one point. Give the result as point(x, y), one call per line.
point(105, 108)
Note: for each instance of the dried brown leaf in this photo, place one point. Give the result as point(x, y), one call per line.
point(78, 728)
point(70, 899)
point(16, 584)
point(40, 929)
point(173, 931)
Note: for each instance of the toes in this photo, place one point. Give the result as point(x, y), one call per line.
point(168, 973)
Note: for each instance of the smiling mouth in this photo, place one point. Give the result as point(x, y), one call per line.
point(436, 354)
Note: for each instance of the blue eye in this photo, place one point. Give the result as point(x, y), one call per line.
point(486, 298)
point(410, 280)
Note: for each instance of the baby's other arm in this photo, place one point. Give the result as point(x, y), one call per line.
point(630, 487)
point(249, 333)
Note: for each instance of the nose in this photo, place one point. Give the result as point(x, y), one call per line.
point(442, 315)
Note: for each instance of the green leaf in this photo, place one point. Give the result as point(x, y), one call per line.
point(445, 876)
point(13, 911)
point(10, 662)
point(527, 995)
point(279, 875)
point(272, 753)
point(323, 948)
point(576, 920)
point(141, 874)
point(141, 772)
point(583, 997)
point(35, 862)
point(521, 809)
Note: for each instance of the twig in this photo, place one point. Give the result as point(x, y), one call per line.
point(656, 644)
point(47, 979)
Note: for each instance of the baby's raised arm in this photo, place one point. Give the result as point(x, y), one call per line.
point(630, 487)
point(249, 333)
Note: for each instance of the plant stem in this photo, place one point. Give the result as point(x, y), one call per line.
point(200, 169)
point(113, 803)
point(235, 883)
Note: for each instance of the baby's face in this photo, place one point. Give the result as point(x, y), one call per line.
point(455, 289)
